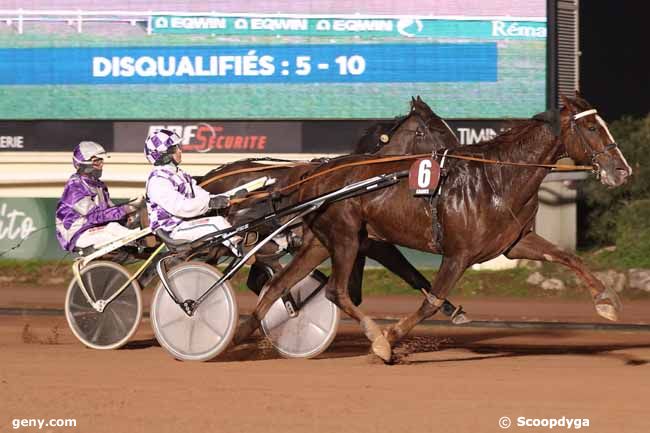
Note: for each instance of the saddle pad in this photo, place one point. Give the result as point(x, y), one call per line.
point(424, 176)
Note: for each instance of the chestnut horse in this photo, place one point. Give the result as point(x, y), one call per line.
point(404, 136)
point(484, 210)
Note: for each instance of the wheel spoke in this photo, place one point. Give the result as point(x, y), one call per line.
point(180, 318)
point(197, 284)
point(120, 322)
point(318, 328)
point(213, 329)
point(130, 303)
point(214, 300)
point(100, 327)
point(190, 335)
point(90, 286)
point(77, 306)
point(83, 315)
point(109, 284)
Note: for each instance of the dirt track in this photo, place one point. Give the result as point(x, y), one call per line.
point(453, 380)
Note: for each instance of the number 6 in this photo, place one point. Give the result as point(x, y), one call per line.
point(424, 173)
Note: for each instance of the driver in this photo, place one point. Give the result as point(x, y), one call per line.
point(173, 197)
point(85, 214)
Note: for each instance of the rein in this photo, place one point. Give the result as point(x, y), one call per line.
point(329, 170)
point(559, 167)
point(249, 170)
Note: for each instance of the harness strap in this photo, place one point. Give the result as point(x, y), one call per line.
point(433, 299)
point(583, 141)
point(444, 159)
point(585, 113)
point(442, 166)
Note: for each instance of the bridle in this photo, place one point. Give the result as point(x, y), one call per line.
point(583, 141)
point(419, 132)
point(385, 137)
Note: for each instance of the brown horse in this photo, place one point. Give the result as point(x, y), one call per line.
point(404, 136)
point(484, 210)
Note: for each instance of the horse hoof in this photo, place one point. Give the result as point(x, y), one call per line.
point(244, 330)
point(461, 319)
point(381, 348)
point(608, 304)
point(607, 311)
point(615, 299)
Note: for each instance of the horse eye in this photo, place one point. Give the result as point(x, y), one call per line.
point(592, 128)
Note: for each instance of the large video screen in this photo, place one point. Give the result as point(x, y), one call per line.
point(277, 59)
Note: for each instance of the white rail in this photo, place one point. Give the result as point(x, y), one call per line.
point(78, 17)
point(72, 17)
point(43, 174)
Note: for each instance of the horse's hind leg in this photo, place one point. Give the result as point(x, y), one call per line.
point(356, 280)
point(534, 247)
point(451, 269)
point(309, 256)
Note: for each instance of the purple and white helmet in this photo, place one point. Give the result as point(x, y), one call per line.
point(157, 145)
point(84, 152)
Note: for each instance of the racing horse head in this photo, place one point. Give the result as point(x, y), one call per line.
point(406, 135)
point(587, 140)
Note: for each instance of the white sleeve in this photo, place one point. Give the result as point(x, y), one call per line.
point(161, 192)
point(199, 191)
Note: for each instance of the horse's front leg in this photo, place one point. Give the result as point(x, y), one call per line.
point(340, 230)
point(392, 259)
point(343, 244)
point(451, 269)
point(534, 247)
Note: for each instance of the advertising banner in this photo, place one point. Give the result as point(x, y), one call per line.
point(53, 135)
point(30, 221)
point(215, 136)
point(318, 137)
point(364, 27)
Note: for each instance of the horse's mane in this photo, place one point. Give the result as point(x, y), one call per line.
point(522, 131)
point(517, 133)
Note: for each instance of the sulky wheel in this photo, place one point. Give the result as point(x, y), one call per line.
point(304, 324)
point(111, 324)
point(212, 326)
